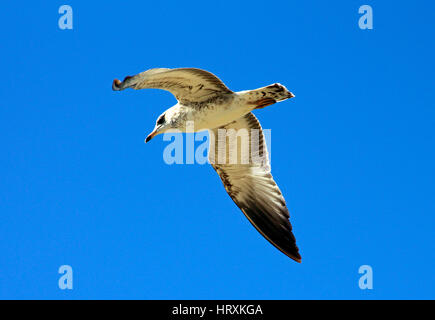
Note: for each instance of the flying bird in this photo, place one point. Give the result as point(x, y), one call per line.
point(206, 101)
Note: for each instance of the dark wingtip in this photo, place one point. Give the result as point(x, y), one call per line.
point(293, 255)
point(116, 85)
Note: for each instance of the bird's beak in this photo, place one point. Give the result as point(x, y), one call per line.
point(151, 135)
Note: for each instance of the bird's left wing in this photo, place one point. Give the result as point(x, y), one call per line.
point(188, 85)
point(245, 172)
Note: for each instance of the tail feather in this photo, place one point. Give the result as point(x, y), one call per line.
point(264, 102)
point(266, 96)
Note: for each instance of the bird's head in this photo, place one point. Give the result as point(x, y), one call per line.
point(163, 124)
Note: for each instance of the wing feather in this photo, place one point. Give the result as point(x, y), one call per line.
point(248, 181)
point(188, 85)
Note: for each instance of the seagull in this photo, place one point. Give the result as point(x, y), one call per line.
point(206, 101)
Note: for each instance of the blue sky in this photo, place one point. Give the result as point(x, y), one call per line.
point(353, 153)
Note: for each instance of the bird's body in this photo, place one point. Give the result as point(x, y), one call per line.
point(205, 102)
point(212, 114)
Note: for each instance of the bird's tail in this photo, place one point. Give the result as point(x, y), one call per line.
point(266, 96)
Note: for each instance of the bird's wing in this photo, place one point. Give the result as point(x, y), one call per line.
point(188, 85)
point(243, 166)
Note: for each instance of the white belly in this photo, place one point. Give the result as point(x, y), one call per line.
point(215, 116)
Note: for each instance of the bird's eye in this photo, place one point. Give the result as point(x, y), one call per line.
point(161, 120)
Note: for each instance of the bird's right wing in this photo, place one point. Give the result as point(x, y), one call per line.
point(188, 85)
point(245, 172)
